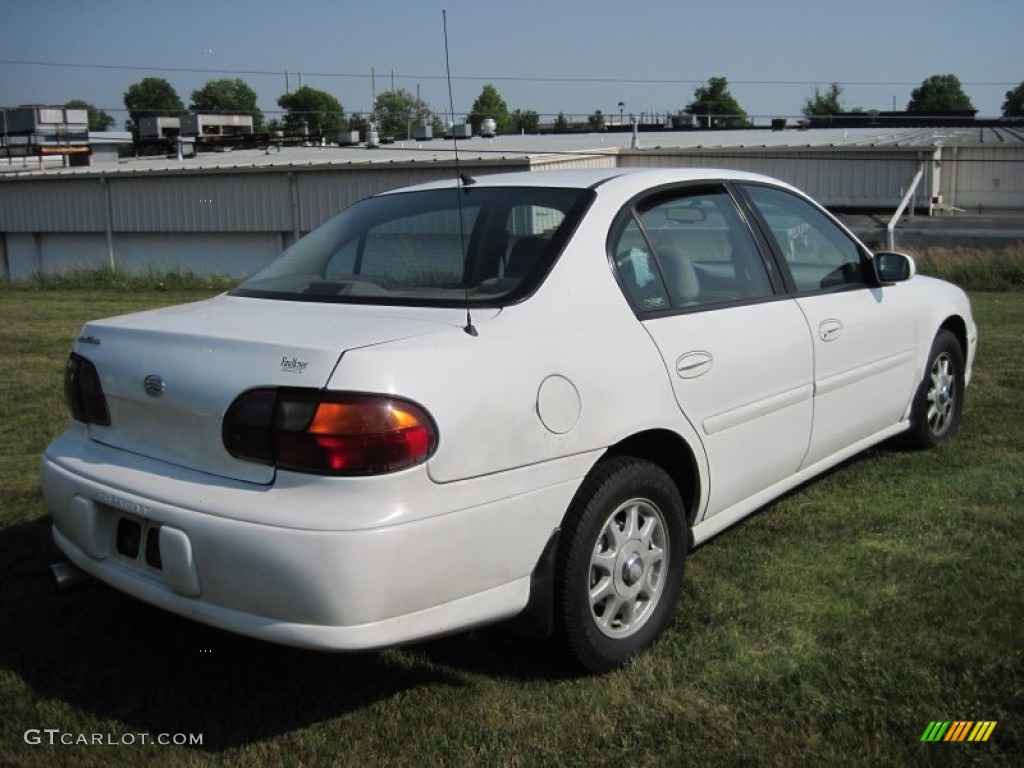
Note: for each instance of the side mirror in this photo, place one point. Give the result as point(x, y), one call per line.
point(892, 267)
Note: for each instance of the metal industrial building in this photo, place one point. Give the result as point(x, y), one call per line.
point(229, 213)
point(45, 132)
point(195, 124)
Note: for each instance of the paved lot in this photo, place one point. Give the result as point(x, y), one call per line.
point(959, 229)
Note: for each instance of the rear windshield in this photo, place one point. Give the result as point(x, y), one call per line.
point(423, 248)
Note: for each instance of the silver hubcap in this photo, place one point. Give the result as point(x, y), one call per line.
point(627, 569)
point(941, 394)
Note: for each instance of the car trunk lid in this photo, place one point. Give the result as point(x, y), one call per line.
point(169, 375)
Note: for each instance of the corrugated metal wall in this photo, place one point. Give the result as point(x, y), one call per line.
point(225, 221)
point(146, 211)
point(980, 177)
point(836, 179)
point(297, 200)
point(235, 202)
point(70, 205)
point(323, 193)
point(580, 162)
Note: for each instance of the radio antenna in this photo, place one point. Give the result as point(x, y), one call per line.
point(460, 180)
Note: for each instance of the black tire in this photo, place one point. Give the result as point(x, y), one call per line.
point(939, 401)
point(621, 559)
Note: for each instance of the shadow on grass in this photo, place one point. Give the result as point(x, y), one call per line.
point(117, 658)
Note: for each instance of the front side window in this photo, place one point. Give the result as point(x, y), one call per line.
point(689, 249)
point(424, 248)
point(818, 253)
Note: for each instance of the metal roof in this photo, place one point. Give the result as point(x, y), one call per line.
point(550, 145)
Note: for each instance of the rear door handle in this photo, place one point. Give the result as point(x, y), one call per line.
point(693, 364)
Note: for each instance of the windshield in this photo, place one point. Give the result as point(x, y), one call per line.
point(419, 248)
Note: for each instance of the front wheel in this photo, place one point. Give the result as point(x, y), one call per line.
point(621, 559)
point(939, 401)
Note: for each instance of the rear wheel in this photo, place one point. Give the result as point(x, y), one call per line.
point(939, 401)
point(621, 559)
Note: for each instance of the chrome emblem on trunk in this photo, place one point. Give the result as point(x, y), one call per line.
point(154, 385)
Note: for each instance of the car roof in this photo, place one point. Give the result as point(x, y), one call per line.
point(634, 179)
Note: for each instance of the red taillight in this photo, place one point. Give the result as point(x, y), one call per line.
point(335, 433)
point(83, 392)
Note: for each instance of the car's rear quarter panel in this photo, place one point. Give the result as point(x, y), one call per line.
point(483, 390)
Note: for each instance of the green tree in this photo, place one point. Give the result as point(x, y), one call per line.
point(595, 122)
point(561, 123)
point(939, 94)
point(398, 111)
point(490, 104)
point(825, 104)
point(151, 97)
point(227, 95)
point(98, 119)
point(525, 120)
point(317, 111)
point(716, 107)
point(1014, 104)
point(359, 122)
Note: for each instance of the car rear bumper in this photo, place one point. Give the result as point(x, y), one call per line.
point(356, 581)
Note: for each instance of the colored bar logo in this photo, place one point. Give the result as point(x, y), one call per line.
point(958, 730)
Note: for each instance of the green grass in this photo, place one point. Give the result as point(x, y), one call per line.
point(828, 629)
point(992, 269)
point(973, 269)
point(103, 279)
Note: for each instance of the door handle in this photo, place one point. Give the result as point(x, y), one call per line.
point(693, 364)
point(830, 330)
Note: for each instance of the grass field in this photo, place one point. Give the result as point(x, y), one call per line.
point(828, 629)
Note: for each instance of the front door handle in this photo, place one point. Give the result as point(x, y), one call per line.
point(830, 330)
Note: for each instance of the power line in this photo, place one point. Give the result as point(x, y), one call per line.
point(481, 78)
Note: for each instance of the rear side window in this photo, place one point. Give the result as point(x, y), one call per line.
point(819, 254)
point(689, 249)
point(638, 271)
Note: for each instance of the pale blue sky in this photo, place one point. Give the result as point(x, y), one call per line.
point(552, 55)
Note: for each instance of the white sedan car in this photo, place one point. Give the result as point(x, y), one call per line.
point(518, 396)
